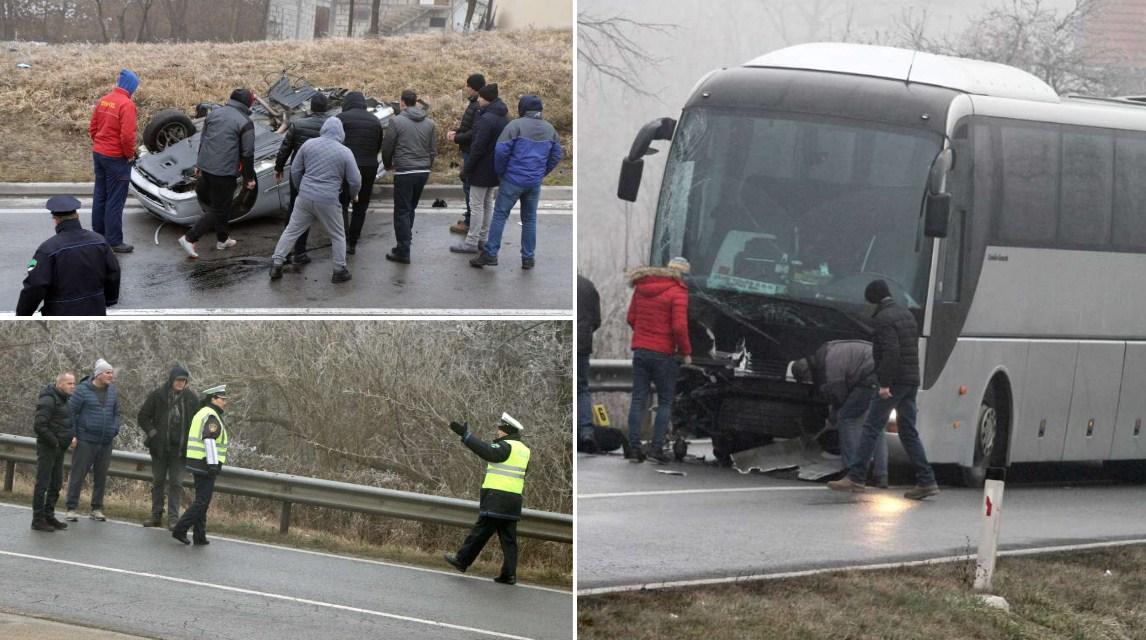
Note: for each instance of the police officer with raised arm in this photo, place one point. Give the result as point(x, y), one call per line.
point(507, 461)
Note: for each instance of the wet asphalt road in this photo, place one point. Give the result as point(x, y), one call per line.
point(125, 578)
point(159, 278)
point(730, 524)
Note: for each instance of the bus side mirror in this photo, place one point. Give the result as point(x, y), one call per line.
point(937, 215)
point(633, 165)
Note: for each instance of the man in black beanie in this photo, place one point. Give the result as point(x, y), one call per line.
point(297, 133)
point(463, 136)
point(895, 349)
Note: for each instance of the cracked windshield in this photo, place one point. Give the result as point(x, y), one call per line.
point(807, 210)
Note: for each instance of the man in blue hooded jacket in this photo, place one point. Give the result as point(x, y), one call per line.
point(527, 150)
point(95, 414)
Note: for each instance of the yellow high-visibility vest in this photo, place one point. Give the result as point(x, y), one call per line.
point(508, 476)
point(196, 448)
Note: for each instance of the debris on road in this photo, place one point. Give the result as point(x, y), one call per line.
point(669, 472)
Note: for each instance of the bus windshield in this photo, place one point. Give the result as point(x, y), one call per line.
point(803, 208)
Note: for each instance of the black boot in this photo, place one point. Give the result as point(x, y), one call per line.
point(40, 524)
point(453, 561)
point(181, 536)
point(506, 579)
point(156, 520)
point(483, 259)
point(59, 526)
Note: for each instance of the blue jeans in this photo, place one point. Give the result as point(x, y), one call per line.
point(507, 195)
point(584, 399)
point(849, 425)
point(661, 370)
point(112, 175)
point(466, 186)
point(903, 401)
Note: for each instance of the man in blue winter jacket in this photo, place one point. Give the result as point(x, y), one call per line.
point(95, 414)
point(527, 151)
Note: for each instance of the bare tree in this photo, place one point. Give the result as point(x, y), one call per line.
point(375, 11)
point(812, 20)
point(350, 21)
point(607, 46)
point(102, 24)
point(177, 16)
point(1027, 34)
point(146, 4)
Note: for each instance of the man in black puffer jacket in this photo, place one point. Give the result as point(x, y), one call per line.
point(364, 138)
point(297, 133)
point(463, 137)
point(895, 348)
point(164, 419)
point(54, 436)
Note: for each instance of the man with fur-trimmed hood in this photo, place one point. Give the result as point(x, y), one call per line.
point(658, 315)
point(164, 419)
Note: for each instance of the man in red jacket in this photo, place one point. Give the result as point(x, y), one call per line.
point(658, 314)
point(112, 131)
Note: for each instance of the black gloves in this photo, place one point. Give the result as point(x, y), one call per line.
point(459, 428)
point(63, 443)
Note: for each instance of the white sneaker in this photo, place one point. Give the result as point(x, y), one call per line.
point(97, 515)
point(71, 516)
point(188, 247)
point(222, 246)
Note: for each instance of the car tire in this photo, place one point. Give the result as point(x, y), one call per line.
point(167, 128)
point(990, 440)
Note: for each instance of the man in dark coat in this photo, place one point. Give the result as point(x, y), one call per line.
point(298, 132)
point(164, 419)
point(479, 170)
point(507, 462)
point(95, 414)
point(74, 273)
point(226, 151)
point(364, 138)
point(588, 321)
point(54, 436)
point(896, 353)
point(463, 136)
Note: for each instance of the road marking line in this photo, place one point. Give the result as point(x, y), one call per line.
point(344, 314)
point(326, 554)
point(867, 567)
point(275, 596)
point(677, 492)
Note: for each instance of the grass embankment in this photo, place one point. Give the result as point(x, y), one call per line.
point(44, 110)
point(1051, 596)
point(233, 516)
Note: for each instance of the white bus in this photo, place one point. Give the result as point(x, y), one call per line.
point(1011, 221)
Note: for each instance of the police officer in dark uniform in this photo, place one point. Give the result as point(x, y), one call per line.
point(74, 273)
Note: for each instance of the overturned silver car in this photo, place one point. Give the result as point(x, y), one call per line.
point(163, 178)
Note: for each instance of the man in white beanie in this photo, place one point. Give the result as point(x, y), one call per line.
point(507, 460)
point(95, 414)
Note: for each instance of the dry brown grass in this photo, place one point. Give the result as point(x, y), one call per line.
point(44, 111)
point(1051, 597)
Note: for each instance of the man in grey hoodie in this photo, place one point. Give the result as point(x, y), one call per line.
point(408, 151)
point(320, 167)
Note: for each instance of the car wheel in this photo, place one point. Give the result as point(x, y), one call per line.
point(167, 128)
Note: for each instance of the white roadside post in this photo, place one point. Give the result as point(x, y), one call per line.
point(989, 542)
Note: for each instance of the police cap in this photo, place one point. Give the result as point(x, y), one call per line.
point(62, 205)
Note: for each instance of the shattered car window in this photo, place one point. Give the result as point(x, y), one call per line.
point(807, 209)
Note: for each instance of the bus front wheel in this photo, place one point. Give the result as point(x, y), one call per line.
point(990, 441)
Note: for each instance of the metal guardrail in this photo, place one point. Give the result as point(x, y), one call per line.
point(291, 489)
point(611, 375)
